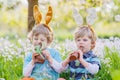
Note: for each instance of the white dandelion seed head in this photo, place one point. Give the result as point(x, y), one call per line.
point(117, 18)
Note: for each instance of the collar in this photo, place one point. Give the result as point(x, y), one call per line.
point(88, 54)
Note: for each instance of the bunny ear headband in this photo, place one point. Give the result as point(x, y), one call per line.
point(90, 19)
point(38, 16)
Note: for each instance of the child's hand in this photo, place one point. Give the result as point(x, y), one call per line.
point(80, 58)
point(46, 53)
point(37, 58)
point(74, 56)
point(67, 60)
point(69, 56)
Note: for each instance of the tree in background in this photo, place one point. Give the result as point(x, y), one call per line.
point(31, 20)
point(17, 15)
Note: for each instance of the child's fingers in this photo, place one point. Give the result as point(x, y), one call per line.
point(39, 59)
point(80, 52)
point(35, 54)
point(46, 53)
point(71, 53)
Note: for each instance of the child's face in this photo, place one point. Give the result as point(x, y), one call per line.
point(84, 43)
point(39, 39)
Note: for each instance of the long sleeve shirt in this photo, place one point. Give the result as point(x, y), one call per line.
point(41, 71)
point(79, 71)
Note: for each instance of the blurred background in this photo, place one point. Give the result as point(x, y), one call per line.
point(14, 17)
point(16, 21)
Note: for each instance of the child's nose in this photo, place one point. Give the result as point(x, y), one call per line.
point(39, 42)
point(81, 42)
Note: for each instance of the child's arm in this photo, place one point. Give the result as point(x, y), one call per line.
point(57, 66)
point(92, 68)
point(65, 62)
point(29, 64)
point(27, 70)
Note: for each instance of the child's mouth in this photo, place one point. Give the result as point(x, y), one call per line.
point(81, 48)
point(40, 44)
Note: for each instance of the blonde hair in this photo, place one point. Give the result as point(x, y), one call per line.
point(86, 30)
point(41, 29)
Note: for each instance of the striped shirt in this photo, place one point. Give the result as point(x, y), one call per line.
point(78, 71)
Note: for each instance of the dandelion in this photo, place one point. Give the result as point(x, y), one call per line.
point(2, 79)
point(70, 45)
point(117, 18)
point(91, 10)
point(82, 1)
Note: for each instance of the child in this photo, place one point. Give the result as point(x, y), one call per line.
point(89, 64)
point(86, 64)
point(35, 66)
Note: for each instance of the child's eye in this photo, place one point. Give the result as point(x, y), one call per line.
point(42, 40)
point(78, 39)
point(35, 38)
point(85, 40)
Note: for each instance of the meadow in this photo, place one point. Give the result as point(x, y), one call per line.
point(12, 56)
point(14, 29)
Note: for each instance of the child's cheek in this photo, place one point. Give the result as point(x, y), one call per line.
point(35, 43)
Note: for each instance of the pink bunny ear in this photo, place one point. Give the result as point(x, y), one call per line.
point(49, 15)
point(37, 14)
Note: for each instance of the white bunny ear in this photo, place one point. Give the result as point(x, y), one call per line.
point(90, 19)
point(91, 10)
point(78, 18)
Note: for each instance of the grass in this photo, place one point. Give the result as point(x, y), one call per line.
point(11, 69)
point(11, 64)
point(109, 65)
